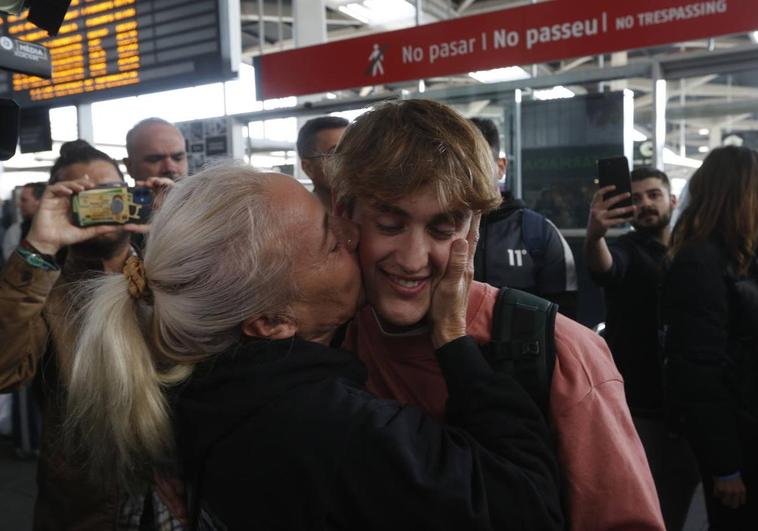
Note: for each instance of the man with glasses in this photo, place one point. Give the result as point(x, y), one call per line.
point(315, 141)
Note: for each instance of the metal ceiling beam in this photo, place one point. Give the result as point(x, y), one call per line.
point(705, 110)
point(689, 89)
point(310, 108)
point(705, 63)
point(487, 6)
point(573, 77)
point(464, 6)
point(290, 20)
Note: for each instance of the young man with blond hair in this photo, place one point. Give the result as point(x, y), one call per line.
point(413, 174)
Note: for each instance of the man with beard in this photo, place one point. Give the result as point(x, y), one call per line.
point(38, 299)
point(630, 269)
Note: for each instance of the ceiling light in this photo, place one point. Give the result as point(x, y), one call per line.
point(555, 93)
point(510, 73)
point(703, 131)
point(733, 140)
point(669, 157)
point(351, 114)
point(638, 136)
point(379, 11)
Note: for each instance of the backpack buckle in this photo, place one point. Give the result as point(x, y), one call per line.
point(526, 349)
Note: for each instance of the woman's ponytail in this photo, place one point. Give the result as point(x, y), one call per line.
point(116, 413)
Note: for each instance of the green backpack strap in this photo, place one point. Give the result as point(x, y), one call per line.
point(523, 343)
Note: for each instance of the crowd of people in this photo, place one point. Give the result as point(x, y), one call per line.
point(395, 350)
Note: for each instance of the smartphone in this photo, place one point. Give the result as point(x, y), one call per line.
point(615, 171)
point(112, 204)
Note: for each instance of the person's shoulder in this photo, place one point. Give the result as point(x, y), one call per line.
point(704, 259)
point(532, 216)
point(700, 251)
point(481, 305)
point(531, 212)
point(582, 363)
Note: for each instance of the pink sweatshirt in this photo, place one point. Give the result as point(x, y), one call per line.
point(608, 481)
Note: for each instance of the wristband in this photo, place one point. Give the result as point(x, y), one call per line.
point(35, 258)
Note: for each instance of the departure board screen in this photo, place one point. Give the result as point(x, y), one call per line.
point(112, 48)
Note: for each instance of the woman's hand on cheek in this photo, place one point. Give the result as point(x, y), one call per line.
point(450, 298)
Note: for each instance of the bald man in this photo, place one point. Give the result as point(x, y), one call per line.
point(155, 148)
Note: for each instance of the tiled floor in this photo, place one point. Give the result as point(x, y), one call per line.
point(697, 520)
point(17, 491)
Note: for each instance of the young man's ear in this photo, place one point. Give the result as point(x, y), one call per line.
point(279, 327)
point(338, 207)
point(343, 208)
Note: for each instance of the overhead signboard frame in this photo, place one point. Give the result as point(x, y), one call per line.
point(535, 33)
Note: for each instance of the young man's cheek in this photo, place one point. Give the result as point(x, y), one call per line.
point(440, 257)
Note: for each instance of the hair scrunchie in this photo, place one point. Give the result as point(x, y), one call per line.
point(134, 271)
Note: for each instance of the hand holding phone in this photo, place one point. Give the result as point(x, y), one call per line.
point(615, 172)
point(52, 228)
point(612, 203)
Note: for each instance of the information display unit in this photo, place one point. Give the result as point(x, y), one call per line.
point(112, 48)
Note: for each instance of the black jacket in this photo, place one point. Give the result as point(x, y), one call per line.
point(632, 323)
point(520, 248)
point(712, 354)
point(281, 435)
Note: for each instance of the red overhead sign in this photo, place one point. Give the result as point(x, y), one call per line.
point(535, 33)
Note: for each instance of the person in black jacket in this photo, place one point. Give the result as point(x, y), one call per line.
point(244, 283)
point(519, 247)
point(711, 311)
point(631, 270)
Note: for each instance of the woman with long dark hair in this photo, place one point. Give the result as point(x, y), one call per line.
point(711, 313)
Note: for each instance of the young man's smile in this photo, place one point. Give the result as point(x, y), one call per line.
point(403, 253)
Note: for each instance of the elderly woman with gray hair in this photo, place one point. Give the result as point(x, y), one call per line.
point(212, 360)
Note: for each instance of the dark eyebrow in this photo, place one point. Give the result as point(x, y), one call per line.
point(648, 190)
point(456, 217)
point(386, 208)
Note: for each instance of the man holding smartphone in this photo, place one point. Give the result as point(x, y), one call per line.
point(630, 269)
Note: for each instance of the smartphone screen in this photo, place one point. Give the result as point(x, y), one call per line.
point(142, 204)
point(615, 171)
